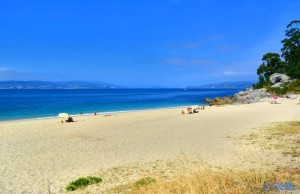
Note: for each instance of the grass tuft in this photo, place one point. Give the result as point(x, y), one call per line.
point(82, 182)
point(144, 181)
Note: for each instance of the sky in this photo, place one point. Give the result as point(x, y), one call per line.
point(166, 43)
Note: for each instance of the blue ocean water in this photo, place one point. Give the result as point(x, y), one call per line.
point(25, 104)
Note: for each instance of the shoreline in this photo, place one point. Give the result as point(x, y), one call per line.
point(100, 113)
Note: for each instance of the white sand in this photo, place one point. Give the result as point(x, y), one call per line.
point(41, 156)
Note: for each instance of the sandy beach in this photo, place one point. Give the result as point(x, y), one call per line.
point(43, 156)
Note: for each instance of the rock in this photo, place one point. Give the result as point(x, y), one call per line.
point(250, 96)
point(292, 96)
point(278, 78)
point(277, 85)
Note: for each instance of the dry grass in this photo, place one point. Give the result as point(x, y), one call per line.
point(287, 128)
point(211, 180)
point(280, 136)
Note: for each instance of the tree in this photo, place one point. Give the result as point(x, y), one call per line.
point(272, 63)
point(291, 49)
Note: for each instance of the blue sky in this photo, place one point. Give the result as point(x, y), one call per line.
point(169, 43)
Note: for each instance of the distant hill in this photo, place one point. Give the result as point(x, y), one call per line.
point(237, 84)
point(55, 85)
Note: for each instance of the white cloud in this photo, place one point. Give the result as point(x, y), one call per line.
point(229, 73)
point(5, 69)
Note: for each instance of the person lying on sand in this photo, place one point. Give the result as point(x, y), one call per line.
point(189, 110)
point(69, 120)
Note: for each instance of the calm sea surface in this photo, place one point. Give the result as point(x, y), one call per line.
point(25, 104)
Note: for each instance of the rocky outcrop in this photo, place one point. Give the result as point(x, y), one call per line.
point(277, 79)
point(243, 97)
point(250, 96)
point(292, 96)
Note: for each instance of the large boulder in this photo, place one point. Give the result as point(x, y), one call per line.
point(250, 96)
point(278, 78)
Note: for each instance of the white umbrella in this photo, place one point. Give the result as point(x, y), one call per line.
point(63, 115)
point(194, 106)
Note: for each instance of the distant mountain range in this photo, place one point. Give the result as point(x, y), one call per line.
point(102, 85)
point(236, 84)
point(55, 85)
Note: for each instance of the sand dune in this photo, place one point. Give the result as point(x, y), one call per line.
point(42, 156)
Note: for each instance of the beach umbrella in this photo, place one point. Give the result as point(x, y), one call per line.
point(63, 115)
point(194, 107)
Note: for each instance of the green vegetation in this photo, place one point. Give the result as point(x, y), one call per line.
point(82, 182)
point(144, 181)
point(291, 49)
point(294, 86)
point(271, 64)
point(288, 63)
point(279, 91)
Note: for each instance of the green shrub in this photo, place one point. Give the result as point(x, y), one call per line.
point(144, 181)
point(82, 182)
point(294, 87)
point(278, 91)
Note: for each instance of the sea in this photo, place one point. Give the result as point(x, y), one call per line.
point(18, 104)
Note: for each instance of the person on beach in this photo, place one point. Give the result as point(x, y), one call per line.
point(69, 120)
point(275, 100)
point(95, 113)
point(190, 110)
point(210, 103)
point(182, 112)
